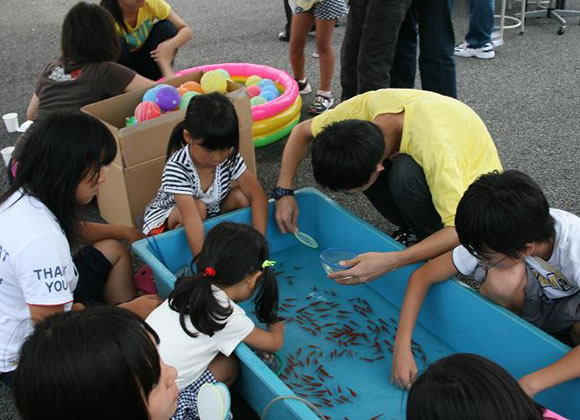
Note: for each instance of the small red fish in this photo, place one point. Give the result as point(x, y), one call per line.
point(351, 391)
point(377, 417)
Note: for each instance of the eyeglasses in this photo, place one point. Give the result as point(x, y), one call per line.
point(486, 264)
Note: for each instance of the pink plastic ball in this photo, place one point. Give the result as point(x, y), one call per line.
point(147, 111)
point(167, 98)
point(253, 90)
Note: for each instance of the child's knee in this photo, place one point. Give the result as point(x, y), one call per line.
point(506, 287)
point(112, 250)
point(225, 369)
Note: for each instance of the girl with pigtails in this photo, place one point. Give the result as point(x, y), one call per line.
point(200, 324)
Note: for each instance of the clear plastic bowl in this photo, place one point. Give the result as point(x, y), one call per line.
point(331, 257)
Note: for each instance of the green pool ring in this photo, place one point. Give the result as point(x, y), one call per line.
point(277, 135)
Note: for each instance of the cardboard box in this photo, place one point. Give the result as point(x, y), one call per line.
point(135, 175)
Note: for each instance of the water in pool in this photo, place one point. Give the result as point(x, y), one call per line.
point(338, 341)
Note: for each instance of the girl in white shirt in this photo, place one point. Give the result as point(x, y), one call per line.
point(60, 170)
point(200, 323)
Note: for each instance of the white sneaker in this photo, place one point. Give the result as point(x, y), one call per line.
point(496, 39)
point(485, 52)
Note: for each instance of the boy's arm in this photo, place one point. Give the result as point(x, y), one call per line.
point(192, 221)
point(565, 369)
point(294, 151)
point(258, 201)
point(369, 266)
point(32, 107)
point(93, 232)
point(440, 269)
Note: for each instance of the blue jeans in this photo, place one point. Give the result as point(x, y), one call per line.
point(480, 23)
point(431, 20)
point(141, 60)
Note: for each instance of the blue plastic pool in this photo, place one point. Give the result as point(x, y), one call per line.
point(331, 356)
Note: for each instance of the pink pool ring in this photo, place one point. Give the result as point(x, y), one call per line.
point(279, 77)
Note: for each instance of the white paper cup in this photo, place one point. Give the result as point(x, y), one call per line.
point(7, 154)
point(11, 121)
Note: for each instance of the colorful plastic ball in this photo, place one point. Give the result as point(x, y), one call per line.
point(212, 81)
point(268, 95)
point(224, 73)
point(167, 98)
point(272, 89)
point(258, 100)
point(186, 99)
point(150, 94)
point(182, 91)
point(193, 86)
point(130, 121)
point(253, 90)
point(147, 111)
point(253, 80)
point(266, 82)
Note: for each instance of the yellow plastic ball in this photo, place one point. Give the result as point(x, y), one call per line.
point(213, 81)
point(253, 80)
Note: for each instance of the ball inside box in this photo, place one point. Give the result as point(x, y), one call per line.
point(330, 259)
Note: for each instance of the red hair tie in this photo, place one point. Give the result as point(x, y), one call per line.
point(209, 272)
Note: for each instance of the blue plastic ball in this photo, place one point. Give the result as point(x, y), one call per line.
point(266, 82)
point(150, 94)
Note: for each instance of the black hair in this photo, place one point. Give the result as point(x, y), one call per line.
point(99, 363)
point(468, 386)
point(346, 153)
point(88, 36)
point(113, 7)
point(234, 251)
point(503, 212)
point(210, 118)
point(59, 152)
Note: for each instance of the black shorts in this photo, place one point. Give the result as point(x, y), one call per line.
point(93, 269)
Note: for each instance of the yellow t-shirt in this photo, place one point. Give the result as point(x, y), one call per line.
point(444, 136)
point(151, 12)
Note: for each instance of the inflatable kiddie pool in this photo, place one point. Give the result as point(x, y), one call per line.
point(275, 119)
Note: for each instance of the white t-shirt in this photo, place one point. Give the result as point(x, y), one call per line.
point(36, 268)
point(180, 177)
point(192, 355)
point(559, 276)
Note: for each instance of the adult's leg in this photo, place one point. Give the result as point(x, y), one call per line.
point(378, 43)
point(404, 67)
point(301, 24)
point(480, 23)
point(350, 48)
point(142, 61)
point(381, 198)
point(437, 42)
point(324, 29)
point(411, 192)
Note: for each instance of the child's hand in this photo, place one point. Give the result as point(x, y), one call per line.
point(404, 368)
point(164, 52)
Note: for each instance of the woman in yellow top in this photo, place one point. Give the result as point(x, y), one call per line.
point(150, 35)
point(413, 154)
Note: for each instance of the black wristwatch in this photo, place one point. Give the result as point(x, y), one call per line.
point(279, 192)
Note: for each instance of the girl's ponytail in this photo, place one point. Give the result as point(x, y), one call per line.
point(266, 300)
point(176, 140)
point(193, 297)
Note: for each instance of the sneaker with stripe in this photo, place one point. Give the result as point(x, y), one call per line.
point(485, 52)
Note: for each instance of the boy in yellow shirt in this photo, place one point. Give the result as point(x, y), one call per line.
point(413, 153)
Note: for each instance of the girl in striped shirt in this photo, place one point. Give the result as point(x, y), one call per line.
point(202, 162)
